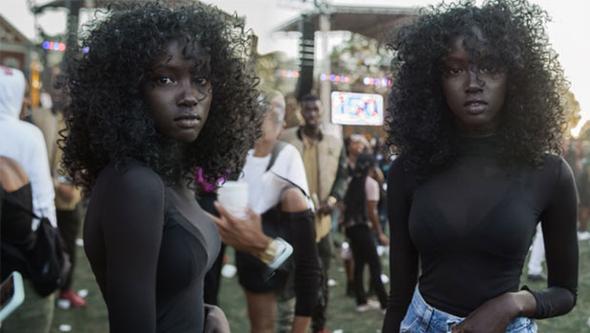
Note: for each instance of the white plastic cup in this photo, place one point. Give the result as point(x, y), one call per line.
point(233, 196)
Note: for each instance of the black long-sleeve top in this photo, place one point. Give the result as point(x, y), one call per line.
point(149, 246)
point(470, 226)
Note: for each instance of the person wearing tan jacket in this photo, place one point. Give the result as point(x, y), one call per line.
point(325, 167)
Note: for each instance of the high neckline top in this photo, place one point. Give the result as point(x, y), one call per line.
point(469, 227)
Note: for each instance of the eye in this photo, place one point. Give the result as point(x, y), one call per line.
point(164, 80)
point(202, 81)
point(453, 71)
point(488, 69)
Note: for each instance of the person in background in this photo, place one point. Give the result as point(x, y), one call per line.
point(477, 119)
point(361, 221)
point(24, 165)
point(277, 189)
point(67, 196)
point(355, 145)
point(175, 94)
point(324, 160)
point(292, 114)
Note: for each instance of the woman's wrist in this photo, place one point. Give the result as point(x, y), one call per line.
point(524, 304)
point(263, 246)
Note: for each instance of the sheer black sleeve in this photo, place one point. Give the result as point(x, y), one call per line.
point(132, 218)
point(403, 258)
point(558, 221)
point(305, 253)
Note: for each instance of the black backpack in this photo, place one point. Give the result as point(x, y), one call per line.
point(42, 257)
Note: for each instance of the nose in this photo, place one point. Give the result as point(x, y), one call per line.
point(188, 95)
point(474, 82)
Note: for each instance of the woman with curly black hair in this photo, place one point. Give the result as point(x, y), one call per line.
point(476, 118)
point(159, 92)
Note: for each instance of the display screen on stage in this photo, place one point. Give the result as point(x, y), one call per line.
point(357, 108)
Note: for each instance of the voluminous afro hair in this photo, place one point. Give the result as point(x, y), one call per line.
point(420, 124)
point(107, 117)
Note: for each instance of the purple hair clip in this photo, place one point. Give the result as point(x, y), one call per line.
point(203, 184)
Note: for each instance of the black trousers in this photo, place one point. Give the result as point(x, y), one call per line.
point(68, 223)
point(319, 314)
point(364, 251)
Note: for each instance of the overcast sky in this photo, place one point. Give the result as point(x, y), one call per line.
point(567, 32)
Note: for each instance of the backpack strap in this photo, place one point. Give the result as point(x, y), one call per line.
point(275, 152)
point(292, 184)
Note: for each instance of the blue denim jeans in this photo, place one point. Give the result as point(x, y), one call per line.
point(423, 318)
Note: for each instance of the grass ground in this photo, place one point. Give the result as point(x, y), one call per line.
point(341, 315)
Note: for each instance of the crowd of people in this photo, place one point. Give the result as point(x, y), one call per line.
point(140, 132)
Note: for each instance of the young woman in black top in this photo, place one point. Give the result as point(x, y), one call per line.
point(361, 222)
point(159, 92)
point(477, 120)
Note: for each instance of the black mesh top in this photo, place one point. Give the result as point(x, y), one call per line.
point(149, 247)
point(470, 226)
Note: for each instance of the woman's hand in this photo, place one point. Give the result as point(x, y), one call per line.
point(65, 191)
point(327, 206)
point(215, 320)
point(243, 234)
point(496, 314)
point(383, 239)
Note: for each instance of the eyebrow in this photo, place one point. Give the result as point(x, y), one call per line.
point(455, 59)
point(165, 66)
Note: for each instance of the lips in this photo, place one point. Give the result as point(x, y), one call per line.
point(188, 121)
point(475, 106)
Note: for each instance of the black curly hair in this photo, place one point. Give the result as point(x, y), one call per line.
point(107, 118)
point(419, 122)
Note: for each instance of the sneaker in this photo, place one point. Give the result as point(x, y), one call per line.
point(68, 298)
point(583, 235)
point(370, 305)
point(536, 277)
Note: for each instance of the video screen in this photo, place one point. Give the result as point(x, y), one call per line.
point(350, 108)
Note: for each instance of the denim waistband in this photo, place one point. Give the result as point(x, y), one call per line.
point(423, 318)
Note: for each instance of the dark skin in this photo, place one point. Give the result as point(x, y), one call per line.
point(178, 95)
point(474, 89)
point(179, 98)
point(312, 112)
point(475, 93)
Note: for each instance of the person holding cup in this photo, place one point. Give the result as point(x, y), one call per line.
point(277, 196)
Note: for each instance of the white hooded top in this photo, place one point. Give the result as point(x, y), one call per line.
point(24, 143)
